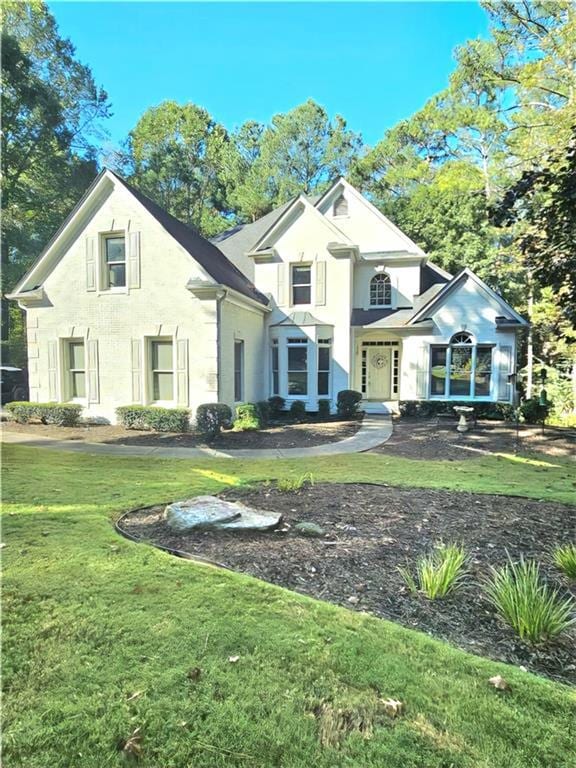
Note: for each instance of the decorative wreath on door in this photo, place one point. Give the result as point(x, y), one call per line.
point(378, 360)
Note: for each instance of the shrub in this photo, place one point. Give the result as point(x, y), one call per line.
point(211, 417)
point(527, 603)
point(277, 404)
point(263, 412)
point(151, 417)
point(247, 417)
point(57, 414)
point(534, 413)
point(437, 574)
point(291, 484)
point(427, 408)
point(324, 409)
point(565, 560)
point(298, 410)
point(347, 403)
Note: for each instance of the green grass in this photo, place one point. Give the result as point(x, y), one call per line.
point(100, 635)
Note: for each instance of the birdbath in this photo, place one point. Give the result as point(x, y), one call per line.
point(463, 411)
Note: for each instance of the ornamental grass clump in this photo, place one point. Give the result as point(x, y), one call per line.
point(535, 610)
point(292, 484)
point(565, 560)
point(438, 574)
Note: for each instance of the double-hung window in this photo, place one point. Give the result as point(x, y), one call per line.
point(324, 350)
point(76, 369)
point(461, 369)
point(238, 371)
point(275, 368)
point(114, 261)
point(301, 284)
point(162, 370)
point(297, 366)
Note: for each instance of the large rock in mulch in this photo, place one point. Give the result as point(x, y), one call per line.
point(210, 512)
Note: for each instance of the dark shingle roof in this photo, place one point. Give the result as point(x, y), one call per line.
point(208, 255)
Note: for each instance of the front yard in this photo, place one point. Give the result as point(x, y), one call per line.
point(115, 650)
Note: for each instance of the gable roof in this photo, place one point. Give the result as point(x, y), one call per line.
point(438, 296)
point(208, 255)
point(236, 241)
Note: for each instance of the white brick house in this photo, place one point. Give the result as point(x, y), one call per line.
point(128, 305)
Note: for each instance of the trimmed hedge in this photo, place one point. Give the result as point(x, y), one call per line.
point(534, 413)
point(247, 417)
point(277, 404)
point(57, 414)
point(211, 417)
point(426, 408)
point(348, 402)
point(298, 410)
point(153, 418)
point(263, 412)
point(324, 408)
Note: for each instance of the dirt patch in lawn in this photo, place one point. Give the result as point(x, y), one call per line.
point(371, 530)
point(277, 436)
point(437, 438)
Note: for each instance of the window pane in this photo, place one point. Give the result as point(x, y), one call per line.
point(297, 383)
point(297, 358)
point(77, 355)
point(461, 371)
point(162, 356)
point(323, 358)
point(323, 380)
point(301, 276)
point(163, 388)
point(301, 294)
point(117, 275)
point(275, 383)
point(438, 371)
point(275, 380)
point(78, 385)
point(115, 249)
point(483, 371)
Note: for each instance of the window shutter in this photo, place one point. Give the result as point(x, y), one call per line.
point(182, 371)
point(283, 282)
point(91, 264)
point(320, 283)
point(136, 371)
point(52, 371)
point(93, 375)
point(134, 260)
point(504, 368)
point(422, 373)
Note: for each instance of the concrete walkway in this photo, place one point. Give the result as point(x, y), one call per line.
point(374, 431)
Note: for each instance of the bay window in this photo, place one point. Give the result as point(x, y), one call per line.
point(324, 349)
point(461, 369)
point(297, 366)
point(275, 368)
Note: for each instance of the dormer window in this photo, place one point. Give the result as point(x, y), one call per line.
point(380, 291)
point(340, 207)
point(114, 261)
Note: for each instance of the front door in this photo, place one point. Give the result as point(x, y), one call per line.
point(378, 372)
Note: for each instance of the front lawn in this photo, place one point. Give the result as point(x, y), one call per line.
point(103, 637)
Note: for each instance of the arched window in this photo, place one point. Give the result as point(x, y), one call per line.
point(462, 369)
point(461, 339)
point(340, 207)
point(380, 290)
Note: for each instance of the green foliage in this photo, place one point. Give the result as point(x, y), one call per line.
point(211, 417)
point(298, 410)
point(565, 560)
point(534, 413)
point(324, 408)
point(277, 405)
point(521, 597)
point(427, 408)
point(264, 409)
point(57, 414)
point(151, 417)
point(347, 403)
point(247, 418)
point(438, 574)
point(294, 484)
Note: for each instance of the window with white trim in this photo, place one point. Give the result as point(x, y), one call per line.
point(324, 356)
point(162, 370)
point(297, 366)
point(380, 290)
point(461, 369)
point(76, 368)
point(114, 266)
point(275, 368)
point(238, 371)
point(301, 284)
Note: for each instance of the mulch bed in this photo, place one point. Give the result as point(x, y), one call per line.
point(370, 530)
point(437, 438)
point(278, 436)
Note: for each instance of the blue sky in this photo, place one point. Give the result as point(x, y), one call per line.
point(374, 63)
